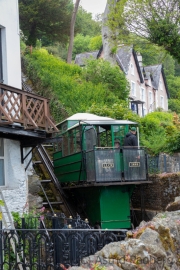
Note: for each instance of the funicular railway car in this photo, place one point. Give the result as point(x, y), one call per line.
point(100, 176)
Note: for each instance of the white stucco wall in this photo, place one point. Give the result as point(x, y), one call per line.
point(9, 23)
point(15, 189)
point(138, 85)
point(16, 178)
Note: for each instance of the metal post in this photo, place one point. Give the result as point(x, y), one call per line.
point(142, 202)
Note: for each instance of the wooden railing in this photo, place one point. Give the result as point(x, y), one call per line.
point(29, 110)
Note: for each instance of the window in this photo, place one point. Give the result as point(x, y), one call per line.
point(144, 111)
point(142, 94)
point(133, 88)
point(150, 102)
point(1, 73)
point(160, 85)
point(150, 98)
point(2, 175)
point(132, 69)
point(157, 100)
point(162, 102)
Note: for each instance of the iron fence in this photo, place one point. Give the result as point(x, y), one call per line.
point(51, 249)
point(153, 164)
point(52, 243)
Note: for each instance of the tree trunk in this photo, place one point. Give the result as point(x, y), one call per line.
point(107, 36)
point(73, 19)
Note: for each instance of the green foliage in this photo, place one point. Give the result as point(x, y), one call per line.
point(45, 19)
point(174, 105)
point(72, 87)
point(157, 129)
point(118, 110)
point(111, 76)
point(95, 43)
point(158, 22)
point(174, 86)
point(81, 44)
point(86, 25)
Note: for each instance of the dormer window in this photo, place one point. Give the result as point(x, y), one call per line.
point(132, 69)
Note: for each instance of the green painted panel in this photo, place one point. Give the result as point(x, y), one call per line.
point(115, 207)
point(91, 198)
point(71, 177)
point(68, 168)
point(68, 159)
point(57, 155)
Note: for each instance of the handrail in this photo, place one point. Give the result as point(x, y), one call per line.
point(26, 109)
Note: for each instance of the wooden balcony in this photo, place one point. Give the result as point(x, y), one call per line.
point(21, 110)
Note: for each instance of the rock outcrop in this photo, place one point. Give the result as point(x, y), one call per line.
point(152, 245)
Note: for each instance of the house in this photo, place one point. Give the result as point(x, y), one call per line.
point(24, 117)
point(148, 88)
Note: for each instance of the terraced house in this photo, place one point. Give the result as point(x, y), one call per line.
point(24, 117)
point(148, 88)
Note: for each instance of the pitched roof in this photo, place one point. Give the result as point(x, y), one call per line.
point(123, 57)
point(153, 73)
point(82, 57)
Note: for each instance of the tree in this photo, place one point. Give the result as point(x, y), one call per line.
point(156, 21)
point(45, 18)
point(73, 20)
point(86, 25)
point(95, 43)
point(103, 72)
point(81, 44)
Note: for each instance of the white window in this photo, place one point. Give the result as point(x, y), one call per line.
point(2, 172)
point(157, 105)
point(150, 102)
point(144, 111)
point(133, 88)
point(150, 97)
point(160, 85)
point(142, 94)
point(162, 102)
point(132, 69)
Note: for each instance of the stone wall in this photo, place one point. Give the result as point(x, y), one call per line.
point(15, 190)
point(159, 193)
point(169, 163)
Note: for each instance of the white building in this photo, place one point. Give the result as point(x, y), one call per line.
point(148, 87)
point(24, 117)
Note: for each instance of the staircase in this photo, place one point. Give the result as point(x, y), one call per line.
point(53, 183)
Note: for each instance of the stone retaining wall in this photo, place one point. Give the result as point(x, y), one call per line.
point(157, 195)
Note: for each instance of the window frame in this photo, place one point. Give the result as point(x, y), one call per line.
point(160, 85)
point(132, 82)
point(162, 98)
point(132, 68)
point(143, 99)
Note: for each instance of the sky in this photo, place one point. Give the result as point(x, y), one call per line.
point(93, 6)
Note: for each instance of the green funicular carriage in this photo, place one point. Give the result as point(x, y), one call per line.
point(100, 176)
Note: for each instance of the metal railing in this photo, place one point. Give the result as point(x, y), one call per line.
point(51, 248)
point(26, 109)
